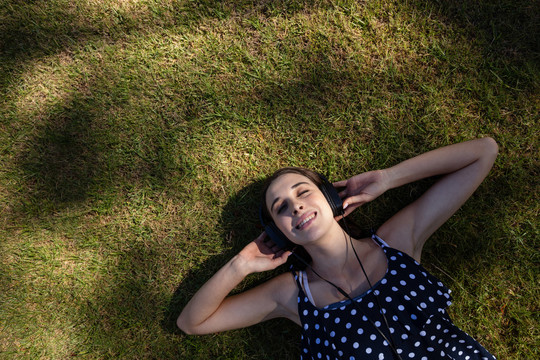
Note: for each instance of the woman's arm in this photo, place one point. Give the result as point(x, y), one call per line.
point(464, 166)
point(210, 310)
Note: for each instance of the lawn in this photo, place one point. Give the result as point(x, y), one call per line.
point(135, 136)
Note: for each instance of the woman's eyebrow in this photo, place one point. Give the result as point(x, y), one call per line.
point(292, 187)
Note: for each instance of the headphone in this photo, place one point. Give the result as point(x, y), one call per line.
point(277, 236)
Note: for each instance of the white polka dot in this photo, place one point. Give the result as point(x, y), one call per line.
point(412, 276)
point(344, 339)
point(413, 293)
point(411, 355)
point(348, 326)
point(315, 313)
point(388, 299)
point(356, 345)
point(417, 344)
point(423, 305)
point(403, 266)
point(317, 341)
point(326, 315)
point(370, 305)
point(384, 281)
point(305, 312)
point(368, 350)
point(404, 336)
point(332, 334)
point(393, 272)
point(393, 258)
point(401, 307)
point(360, 331)
point(422, 287)
point(373, 337)
point(394, 288)
point(317, 326)
point(337, 320)
point(381, 356)
point(422, 333)
point(353, 312)
point(377, 323)
point(403, 282)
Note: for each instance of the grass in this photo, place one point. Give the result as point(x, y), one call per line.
point(134, 137)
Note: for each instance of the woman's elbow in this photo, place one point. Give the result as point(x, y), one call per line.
point(491, 146)
point(185, 327)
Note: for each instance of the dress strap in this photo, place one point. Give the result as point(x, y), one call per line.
point(378, 240)
point(303, 285)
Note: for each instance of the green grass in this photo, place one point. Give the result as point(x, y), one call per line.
point(134, 137)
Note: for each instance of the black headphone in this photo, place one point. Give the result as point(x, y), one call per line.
point(277, 236)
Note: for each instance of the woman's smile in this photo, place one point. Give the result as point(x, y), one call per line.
point(306, 220)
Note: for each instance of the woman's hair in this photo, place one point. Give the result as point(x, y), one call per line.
point(351, 228)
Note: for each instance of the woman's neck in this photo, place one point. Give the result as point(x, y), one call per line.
point(332, 254)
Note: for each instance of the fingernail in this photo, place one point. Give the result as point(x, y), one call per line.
point(345, 206)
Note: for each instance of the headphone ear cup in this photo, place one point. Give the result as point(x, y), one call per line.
point(332, 196)
point(277, 236)
point(274, 233)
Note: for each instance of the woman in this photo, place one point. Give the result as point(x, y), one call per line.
point(380, 302)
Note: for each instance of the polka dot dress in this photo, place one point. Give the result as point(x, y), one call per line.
point(414, 303)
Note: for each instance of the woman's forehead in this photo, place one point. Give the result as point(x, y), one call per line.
point(284, 184)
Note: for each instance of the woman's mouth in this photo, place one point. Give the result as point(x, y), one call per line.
point(306, 220)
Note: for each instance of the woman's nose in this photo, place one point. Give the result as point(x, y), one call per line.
point(297, 208)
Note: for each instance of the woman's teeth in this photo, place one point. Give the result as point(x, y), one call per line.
point(305, 221)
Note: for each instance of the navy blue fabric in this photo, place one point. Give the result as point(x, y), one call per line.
point(414, 303)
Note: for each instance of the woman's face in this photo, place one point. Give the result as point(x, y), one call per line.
point(299, 208)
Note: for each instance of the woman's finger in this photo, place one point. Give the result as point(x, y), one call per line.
point(340, 183)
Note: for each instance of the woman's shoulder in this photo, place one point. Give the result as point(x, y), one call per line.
point(284, 290)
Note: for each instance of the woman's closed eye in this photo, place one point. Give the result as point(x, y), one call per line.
point(283, 206)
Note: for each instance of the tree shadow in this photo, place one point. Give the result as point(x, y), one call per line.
point(34, 29)
point(508, 32)
point(62, 160)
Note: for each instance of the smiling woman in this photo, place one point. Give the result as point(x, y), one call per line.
point(363, 298)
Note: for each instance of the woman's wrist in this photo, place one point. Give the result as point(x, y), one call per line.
point(240, 266)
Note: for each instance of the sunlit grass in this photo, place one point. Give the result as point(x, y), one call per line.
point(134, 137)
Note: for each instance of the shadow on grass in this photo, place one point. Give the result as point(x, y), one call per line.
point(62, 161)
point(508, 31)
point(33, 29)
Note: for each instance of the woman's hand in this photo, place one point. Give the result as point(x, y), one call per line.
point(362, 188)
point(261, 255)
